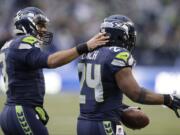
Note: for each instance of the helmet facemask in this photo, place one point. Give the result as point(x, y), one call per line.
point(41, 29)
point(131, 42)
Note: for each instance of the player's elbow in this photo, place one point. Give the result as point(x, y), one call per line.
point(51, 62)
point(134, 99)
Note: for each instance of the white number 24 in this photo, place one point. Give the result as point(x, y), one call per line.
point(94, 83)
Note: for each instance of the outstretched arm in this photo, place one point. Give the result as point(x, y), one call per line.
point(130, 87)
point(63, 57)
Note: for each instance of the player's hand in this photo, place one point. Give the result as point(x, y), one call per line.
point(175, 104)
point(97, 41)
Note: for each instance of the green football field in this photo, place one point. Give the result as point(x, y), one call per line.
point(63, 110)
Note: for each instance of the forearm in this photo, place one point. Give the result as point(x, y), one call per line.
point(147, 97)
point(131, 89)
point(62, 57)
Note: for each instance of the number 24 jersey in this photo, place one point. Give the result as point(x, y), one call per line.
point(100, 93)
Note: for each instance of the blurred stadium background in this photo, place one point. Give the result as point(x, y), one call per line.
point(74, 21)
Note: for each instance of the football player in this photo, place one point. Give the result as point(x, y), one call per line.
point(23, 60)
point(105, 75)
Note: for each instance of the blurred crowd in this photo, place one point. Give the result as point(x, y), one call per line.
point(74, 21)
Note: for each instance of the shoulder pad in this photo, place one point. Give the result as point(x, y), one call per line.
point(30, 40)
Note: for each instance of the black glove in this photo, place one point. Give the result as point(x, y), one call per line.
point(173, 102)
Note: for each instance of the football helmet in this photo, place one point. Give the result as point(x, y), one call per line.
point(26, 21)
point(121, 31)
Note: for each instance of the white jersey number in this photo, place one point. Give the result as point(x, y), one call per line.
point(94, 82)
point(4, 72)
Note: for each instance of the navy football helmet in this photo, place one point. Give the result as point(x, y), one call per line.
point(26, 21)
point(121, 31)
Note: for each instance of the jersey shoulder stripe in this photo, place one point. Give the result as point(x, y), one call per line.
point(118, 63)
point(24, 46)
point(121, 57)
point(6, 45)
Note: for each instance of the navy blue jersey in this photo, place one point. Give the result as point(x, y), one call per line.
point(22, 62)
point(100, 96)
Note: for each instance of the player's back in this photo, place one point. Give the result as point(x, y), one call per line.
point(23, 78)
point(99, 91)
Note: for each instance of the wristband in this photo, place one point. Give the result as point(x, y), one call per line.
point(167, 99)
point(82, 48)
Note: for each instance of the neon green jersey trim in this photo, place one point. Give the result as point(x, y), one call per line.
point(22, 120)
point(123, 56)
point(41, 113)
point(30, 39)
point(108, 128)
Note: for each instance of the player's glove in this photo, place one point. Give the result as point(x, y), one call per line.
point(43, 115)
point(173, 102)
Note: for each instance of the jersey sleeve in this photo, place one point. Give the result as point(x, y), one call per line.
point(120, 60)
point(31, 56)
point(35, 58)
